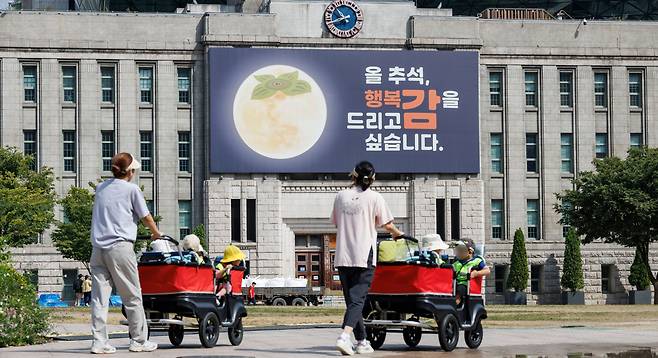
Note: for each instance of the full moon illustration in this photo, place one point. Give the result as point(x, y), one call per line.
point(279, 111)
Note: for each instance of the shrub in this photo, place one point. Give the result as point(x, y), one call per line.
point(22, 321)
point(639, 277)
point(572, 271)
point(518, 274)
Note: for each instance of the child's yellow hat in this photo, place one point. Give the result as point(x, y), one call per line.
point(232, 253)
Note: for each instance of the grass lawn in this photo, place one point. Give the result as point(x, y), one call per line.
point(499, 316)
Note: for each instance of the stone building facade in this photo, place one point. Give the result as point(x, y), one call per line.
point(553, 96)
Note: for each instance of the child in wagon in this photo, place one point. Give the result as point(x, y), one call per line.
point(233, 256)
point(467, 265)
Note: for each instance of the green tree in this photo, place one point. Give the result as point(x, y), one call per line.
point(22, 321)
point(617, 203)
point(518, 274)
point(27, 199)
point(572, 270)
point(639, 277)
point(72, 236)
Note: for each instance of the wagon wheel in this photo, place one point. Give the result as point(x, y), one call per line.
point(474, 336)
point(209, 329)
point(449, 332)
point(412, 334)
point(176, 334)
point(236, 333)
point(376, 336)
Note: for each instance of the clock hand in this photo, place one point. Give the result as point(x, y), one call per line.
point(341, 19)
point(340, 13)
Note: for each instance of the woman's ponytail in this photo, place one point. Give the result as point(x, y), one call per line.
point(363, 175)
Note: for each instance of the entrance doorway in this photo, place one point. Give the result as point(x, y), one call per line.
point(314, 260)
point(68, 291)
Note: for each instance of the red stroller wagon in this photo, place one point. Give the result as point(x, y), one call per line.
point(403, 293)
point(172, 287)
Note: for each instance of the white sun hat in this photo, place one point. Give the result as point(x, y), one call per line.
point(134, 164)
point(192, 242)
point(431, 242)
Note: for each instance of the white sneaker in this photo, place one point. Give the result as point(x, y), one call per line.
point(147, 346)
point(105, 349)
point(364, 348)
point(345, 347)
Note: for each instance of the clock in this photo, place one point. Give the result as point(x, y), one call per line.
point(343, 18)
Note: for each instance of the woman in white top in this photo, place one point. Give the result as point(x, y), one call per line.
point(118, 206)
point(358, 212)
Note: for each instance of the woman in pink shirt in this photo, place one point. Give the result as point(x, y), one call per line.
point(358, 212)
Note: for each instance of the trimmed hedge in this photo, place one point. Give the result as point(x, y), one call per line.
point(518, 274)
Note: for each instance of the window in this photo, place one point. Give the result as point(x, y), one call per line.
point(150, 204)
point(184, 80)
point(636, 140)
point(30, 146)
point(566, 152)
point(68, 83)
point(69, 150)
point(107, 84)
point(146, 150)
point(606, 276)
point(536, 278)
point(184, 152)
point(236, 228)
point(441, 217)
point(601, 145)
point(146, 84)
point(531, 79)
point(533, 218)
point(601, 89)
point(251, 220)
point(566, 89)
point(500, 277)
point(107, 149)
point(496, 89)
point(497, 219)
point(30, 83)
point(184, 217)
point(635, 89)
point(455, 224)
point(531, 152)
point(496, 153)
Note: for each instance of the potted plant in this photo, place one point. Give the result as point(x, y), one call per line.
point(572, 272)
point(639, 278)
point(518, 274)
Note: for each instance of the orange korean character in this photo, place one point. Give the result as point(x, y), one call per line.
point(419, 120)
point(392, 98)
point(373, 98)
point(418, 100)
point(419, 97)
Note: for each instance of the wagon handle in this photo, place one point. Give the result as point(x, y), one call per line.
point(167, 238)
point(407, 238)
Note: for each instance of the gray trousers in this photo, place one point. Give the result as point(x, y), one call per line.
point(116, 265)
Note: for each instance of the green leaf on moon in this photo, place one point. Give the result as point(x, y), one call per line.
point(261, 92)
point(290, 76)
point(287, 83)
point(264, 78)
point(297, 87)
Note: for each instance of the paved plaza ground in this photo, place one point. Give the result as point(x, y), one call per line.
point(318, 342)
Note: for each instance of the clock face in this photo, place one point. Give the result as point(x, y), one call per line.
point(343, 18)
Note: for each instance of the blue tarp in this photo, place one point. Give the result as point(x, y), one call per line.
point(51, 300)
point(115, 301)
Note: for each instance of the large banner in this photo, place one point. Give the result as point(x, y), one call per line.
point(322, 111)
